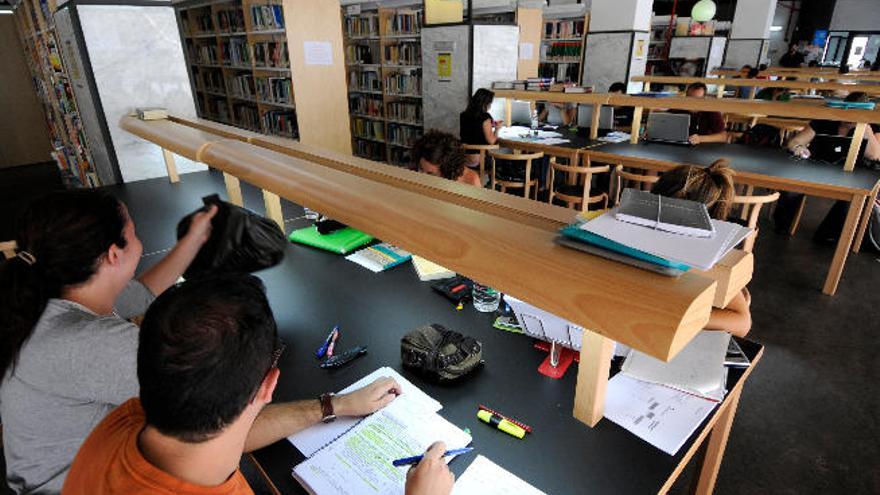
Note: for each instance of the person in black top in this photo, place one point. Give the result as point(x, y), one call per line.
point(623, 116)
point(475, 124)
point(793, 58)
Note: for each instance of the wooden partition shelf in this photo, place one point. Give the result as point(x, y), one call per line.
point(871, 89)
point(806, 73)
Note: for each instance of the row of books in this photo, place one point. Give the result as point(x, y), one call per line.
point(230, 21)
point(217, 108)
point(281, 123)
point(267, 17)
point(399, 156)
point(205, 54)
point(405, 111)
point(275, 89)
point(209, 80)
point(364, 81)
point(361, 54)
point(271, 54)
point(404, 83)
point(562, 50)
point(404, 54)
point(403, 135)
point(366, 25)
point(369, 149)
point(241, 86)
point(405, 22)
point(563, 29)
point(236, 52)
point(368, 129)
point(365, 105)
point(565, 72)
point(246, 116)
point(204, 23)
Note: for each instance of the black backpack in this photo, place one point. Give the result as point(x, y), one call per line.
point(761, 135)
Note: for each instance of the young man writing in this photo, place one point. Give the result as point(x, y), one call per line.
point(706, 127)
point(207, 370)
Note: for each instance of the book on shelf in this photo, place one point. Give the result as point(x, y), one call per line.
point(231, 21)
point(679, 216)
point(405, 22)
point(578, 89)
point(403, 54)
point(267, 17)
point(564, 29)
point(404, 83)
point(362, 26)
point(403, 135)
point(281, 123)
point(403, 111)
point(271, 54)
point(365, 105)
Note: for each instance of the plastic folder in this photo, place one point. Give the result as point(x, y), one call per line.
point(342, 241)
point(573, 232)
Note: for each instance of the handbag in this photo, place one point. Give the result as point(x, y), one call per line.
point(440, 354)
point(241, 241)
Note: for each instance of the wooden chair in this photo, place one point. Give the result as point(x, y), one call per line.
point(8, 249)
point(755, 202)
point(479, 149)
point(528, 184)
point(577, 190)
point(621, 175)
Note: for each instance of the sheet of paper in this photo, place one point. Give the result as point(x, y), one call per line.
point(526, 51)
point(659, 415)
point(313, 439)
point(484, 477)
point(318, 52)
point(359, 463)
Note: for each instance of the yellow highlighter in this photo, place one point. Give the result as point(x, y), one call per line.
point(501, 423)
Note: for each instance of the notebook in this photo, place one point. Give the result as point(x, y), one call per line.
point(428, 270)
point(484, 477)
point(342, 241)
point(698, 369)
point(380, 257)
point(679, 216)
point(697, 252)
point(577, 238)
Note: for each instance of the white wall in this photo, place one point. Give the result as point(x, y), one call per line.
point(856, 15)
point(620, 15)
point(752, 19)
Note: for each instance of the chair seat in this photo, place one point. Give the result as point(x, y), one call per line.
point(570, 189)
point(513, 172)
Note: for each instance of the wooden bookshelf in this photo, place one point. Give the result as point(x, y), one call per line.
point(36, 27)
point(384, 69)
point(562, 48)
point(238, 61)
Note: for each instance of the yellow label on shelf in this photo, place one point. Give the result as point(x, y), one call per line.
point(443, 11)
point(444, 66)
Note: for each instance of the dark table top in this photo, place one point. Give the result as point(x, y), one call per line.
point(313, 290)
point(771, 162)
point(575, 142)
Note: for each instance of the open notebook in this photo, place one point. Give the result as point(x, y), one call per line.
point(354, 456)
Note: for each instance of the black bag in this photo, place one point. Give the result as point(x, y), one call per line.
point(762, 136)
point(241, 241)
point(440, 354)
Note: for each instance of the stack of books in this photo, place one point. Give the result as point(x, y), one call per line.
point(660, 234)
point(539, 83)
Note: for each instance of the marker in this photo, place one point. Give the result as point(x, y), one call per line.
point(323, 349)
point(333, 342)
point(459, 307)
point(517, 423)
point(501, 423)
point(409, 461)
point(457, 288)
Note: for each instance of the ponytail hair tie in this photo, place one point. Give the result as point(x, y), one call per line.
point(27, 257)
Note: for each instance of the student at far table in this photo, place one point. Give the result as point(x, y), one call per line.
point(440, 154)
point(706, 127)
point(207, 367)
point(712, 186)
point(475, 123)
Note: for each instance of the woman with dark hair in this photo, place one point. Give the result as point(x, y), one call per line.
point(439, 153)
point(67, 352)
point(475, 124)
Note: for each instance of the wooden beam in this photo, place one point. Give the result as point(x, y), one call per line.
point(854, 147)
point(594, 129)
point(843, 247)
point(711, 462)
point(871, 89)
point(592, 382)
point(636, 125)
point(170, 166)
point(273, 208)
point(233, 189)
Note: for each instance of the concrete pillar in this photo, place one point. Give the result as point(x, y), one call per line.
point(617, 42)
point(750, 33)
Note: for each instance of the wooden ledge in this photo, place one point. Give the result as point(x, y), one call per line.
point(655, 314)
point(733, 273)
point(761, 83)
point(185, 141)
point(227, 131)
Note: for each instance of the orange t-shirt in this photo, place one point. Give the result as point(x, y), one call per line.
point(109, 461)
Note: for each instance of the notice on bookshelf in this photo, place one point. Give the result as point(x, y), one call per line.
point(318, 52)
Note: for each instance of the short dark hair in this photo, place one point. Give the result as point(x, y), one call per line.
point(205, 348)
point(618, 86)
point(441, 149)
point(695, 86)
point(858, 96)
point(753, 73)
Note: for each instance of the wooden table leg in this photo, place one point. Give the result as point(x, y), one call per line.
point(843, 245)
point(797, 216)
point(170, 166)
point(233, 189)
point(592, 380)
point(710, 463)
point(865, 220)
point(273, 208)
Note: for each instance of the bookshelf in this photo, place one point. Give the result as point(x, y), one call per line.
point(36, 28)
point(384, 67)
point(239, 64)
point(562, 48)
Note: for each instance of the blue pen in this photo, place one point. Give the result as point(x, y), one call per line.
point(323, 349)
point(409, 461)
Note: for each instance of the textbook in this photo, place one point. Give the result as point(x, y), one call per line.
point(616, 251)
point(679, 216)
point(356, 456)
point(380, 257)
point(342, 241)
point(428, 270)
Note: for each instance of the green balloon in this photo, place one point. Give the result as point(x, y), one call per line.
point(703, 11)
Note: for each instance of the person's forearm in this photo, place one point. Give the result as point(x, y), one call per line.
point(736, 318)
point(720, 137)
point(165, 273)
point(277, 421)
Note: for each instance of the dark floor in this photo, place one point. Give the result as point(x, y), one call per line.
point(807, 421)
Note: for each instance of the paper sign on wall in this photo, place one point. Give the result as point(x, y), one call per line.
point(640, 49)
point(318, 52)
point(444, 66)
point(526, 51)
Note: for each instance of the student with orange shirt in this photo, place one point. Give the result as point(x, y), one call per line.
point(207, 361)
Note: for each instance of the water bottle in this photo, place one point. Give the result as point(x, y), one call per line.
point(534, 122)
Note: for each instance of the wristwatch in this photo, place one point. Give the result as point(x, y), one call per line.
point(327, 414)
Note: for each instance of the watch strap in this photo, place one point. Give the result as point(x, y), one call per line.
point(327, 413)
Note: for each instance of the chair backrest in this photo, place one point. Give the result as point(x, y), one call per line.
point(502, 154)
point(479, 149)
point(8, 249)
point(756, 202)
point(587, 172)
point(621, 175)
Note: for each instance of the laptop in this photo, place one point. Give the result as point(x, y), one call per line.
point(520, 112)
point(554, 115)
point(666, 127)
point(829, 148)
point(606, 117)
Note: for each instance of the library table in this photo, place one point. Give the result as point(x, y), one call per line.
point(764, 167)
point(571, 150)
point(313, 290)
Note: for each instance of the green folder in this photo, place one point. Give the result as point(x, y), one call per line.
point(342, 241)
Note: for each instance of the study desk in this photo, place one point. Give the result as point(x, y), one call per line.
point(571, 150)
point(770, 168)
point(323, 289)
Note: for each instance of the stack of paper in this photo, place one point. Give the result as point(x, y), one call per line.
point(379, 257)
point(484, 477)
point(428, 270)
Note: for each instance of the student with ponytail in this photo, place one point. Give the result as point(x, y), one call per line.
point(67, 351)
point(712, 186)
